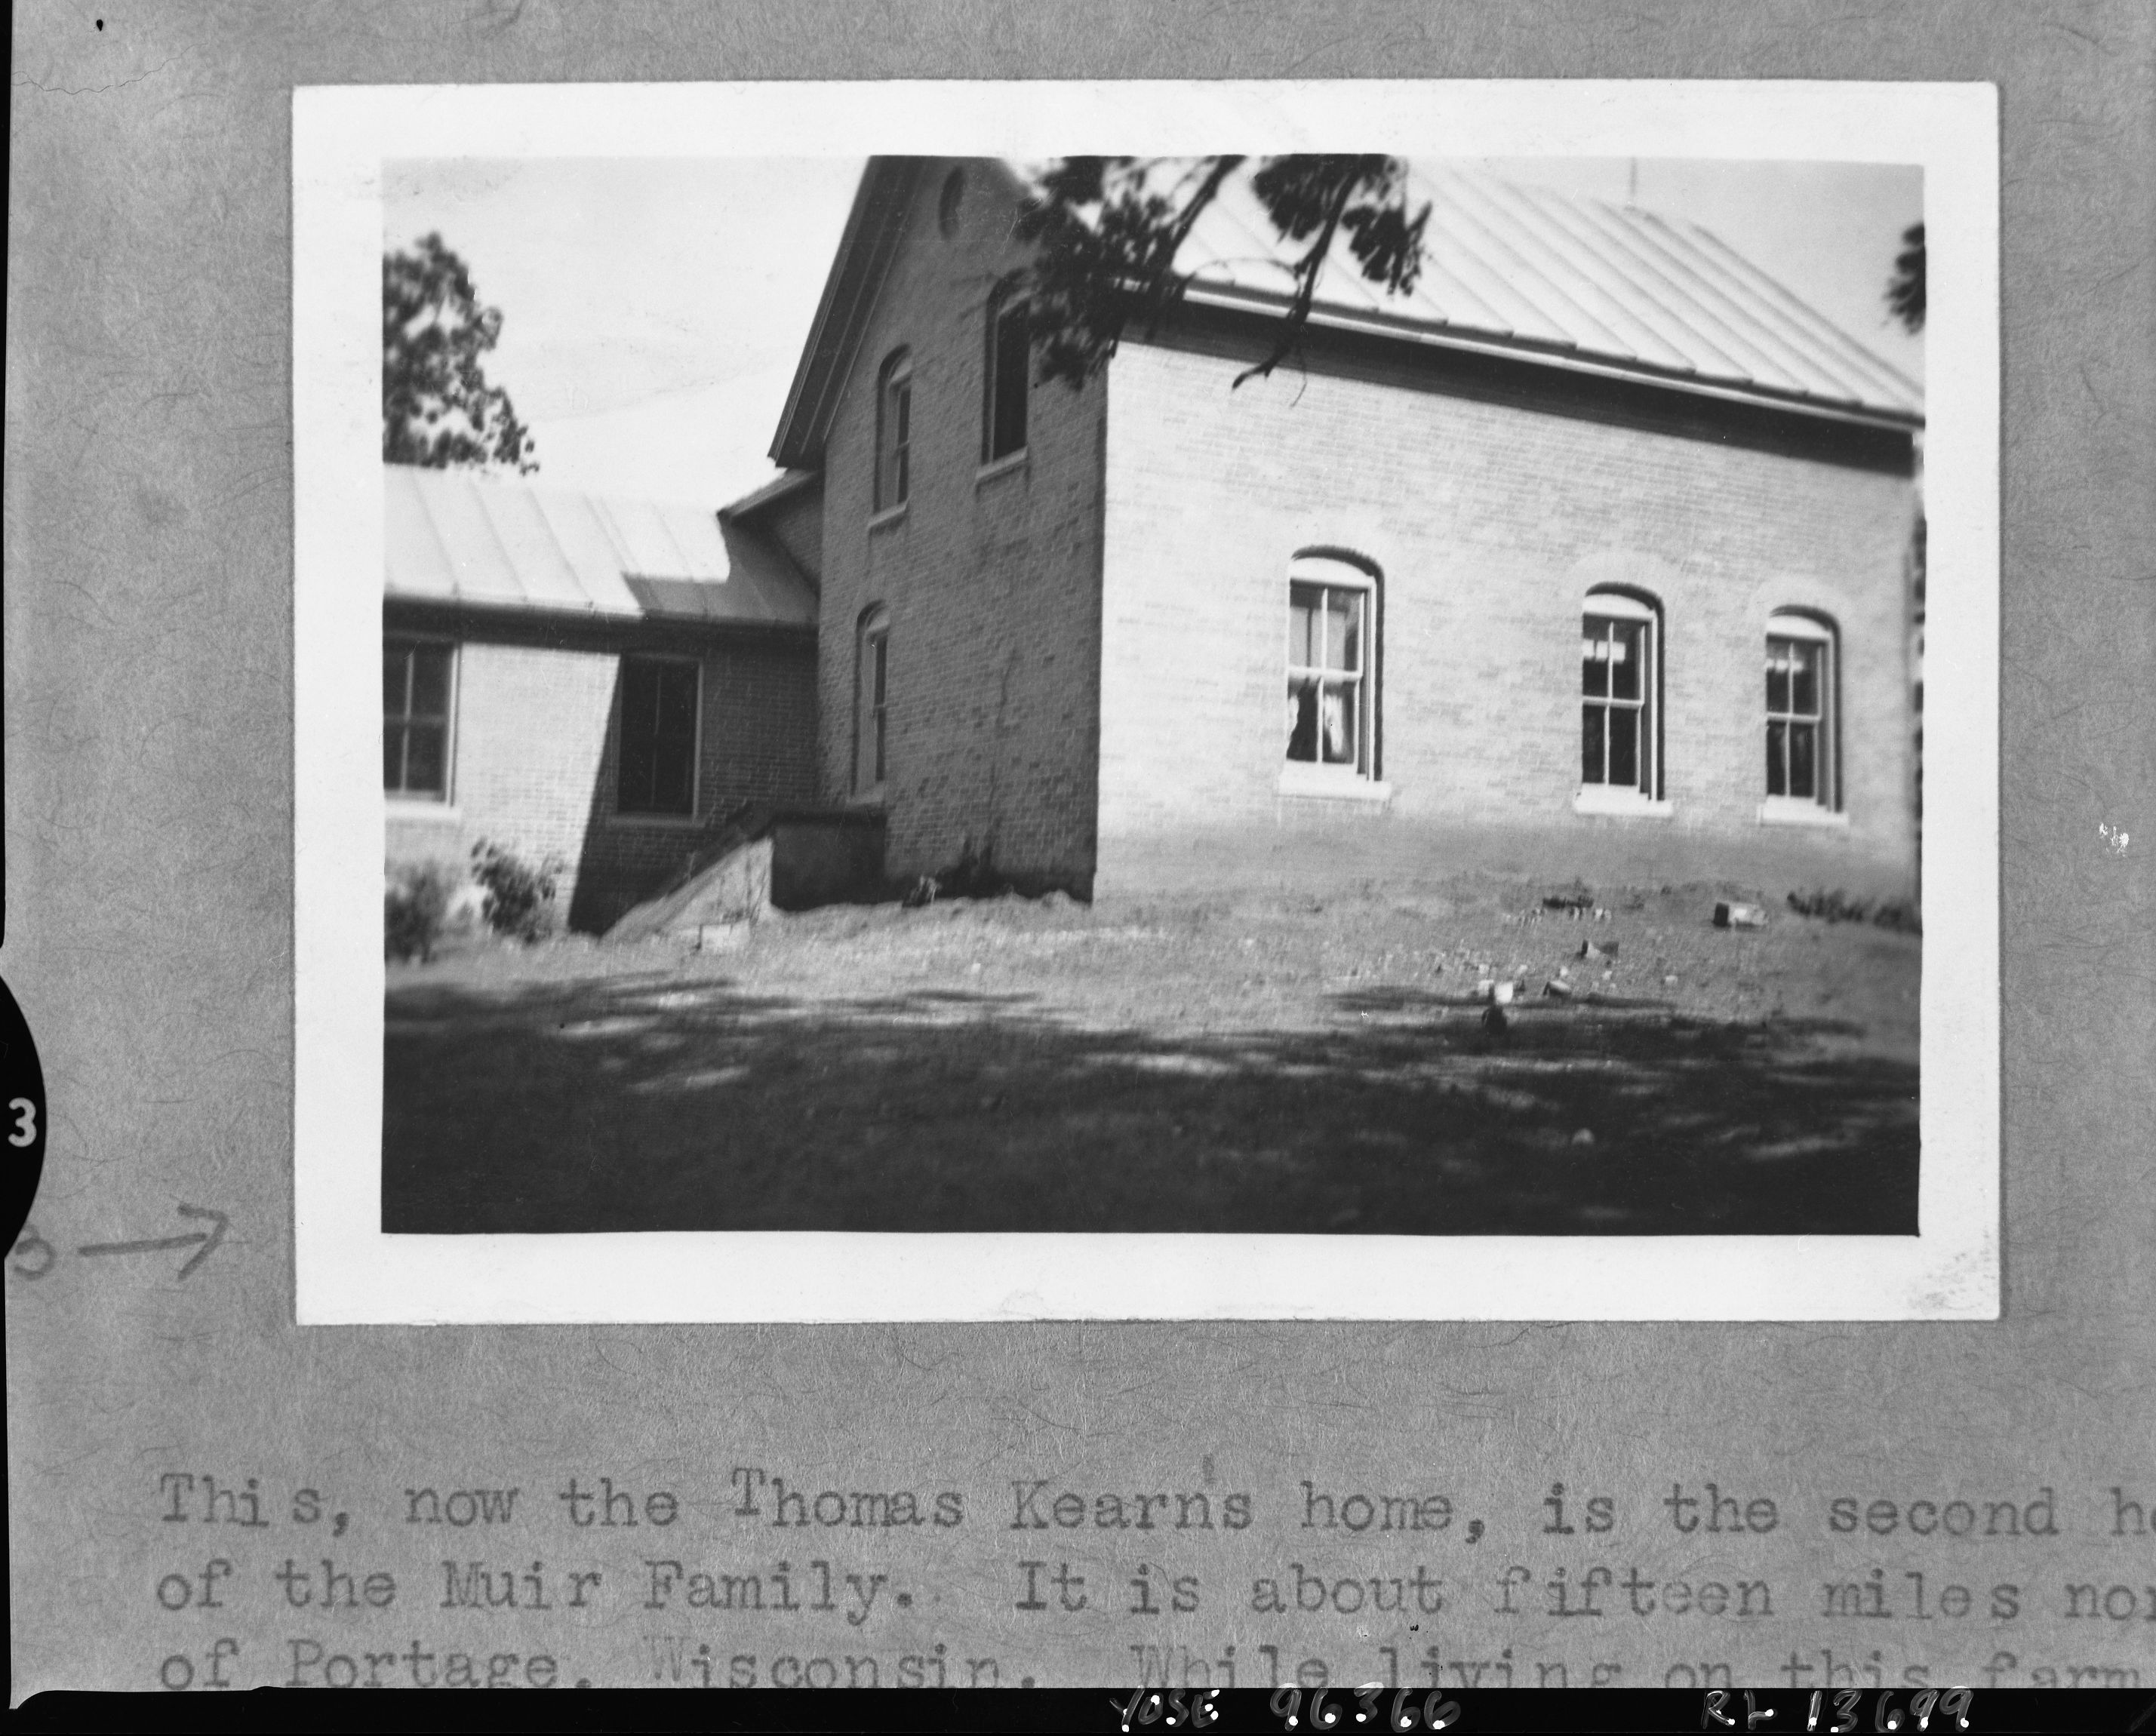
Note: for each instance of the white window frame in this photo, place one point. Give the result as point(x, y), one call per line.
point(650, 816)
point(1643, 798)
point(420, 802)
point(1824, 806)
point(1309, 777)
point(871, 744)
point(893, 481)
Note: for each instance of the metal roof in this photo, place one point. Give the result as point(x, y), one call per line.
point(1567, 280)
point(466, 537)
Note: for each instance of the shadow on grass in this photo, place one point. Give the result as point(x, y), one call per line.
point(657, 1101)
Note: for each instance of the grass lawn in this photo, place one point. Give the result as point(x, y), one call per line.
point(1262, 1065)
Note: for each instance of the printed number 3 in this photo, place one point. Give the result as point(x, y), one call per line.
point(26, 1121)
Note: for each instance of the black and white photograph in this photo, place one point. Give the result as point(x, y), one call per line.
point(984, 703)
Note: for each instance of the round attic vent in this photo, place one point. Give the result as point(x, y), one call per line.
point(946, 207)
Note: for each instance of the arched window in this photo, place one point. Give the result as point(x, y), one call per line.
point(1006, 376)
point(1331, 720)
point(894, 430)
point(871, 690)
point(1803, 747)
point(1621, 676)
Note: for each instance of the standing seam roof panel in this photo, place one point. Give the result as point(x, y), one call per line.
point(1808, 372)
point(1658, 258)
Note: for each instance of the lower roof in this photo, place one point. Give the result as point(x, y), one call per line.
point(474, 539)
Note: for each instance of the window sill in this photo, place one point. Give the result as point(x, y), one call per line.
point(1787, 811)
point(663, 823)
point(406, 808)
point(889, 516)
point(1332, 786)
point(1622, 804)
point(1004, 466)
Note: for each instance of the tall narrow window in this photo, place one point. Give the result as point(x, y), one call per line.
point(894, 431)
point(1009, 371)
point(416, 677)
point(1330, 710)
point(659, 706)
point(1618, 676)
point(1800, 736)
point(871, 691)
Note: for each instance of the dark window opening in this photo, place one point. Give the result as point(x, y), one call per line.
point(1616, 716)
point(894, 432)
point(415, 720)
point(1328, 683)
point(872, 678)
point(658, 736)
point(1010, 363)
point(1800, 713)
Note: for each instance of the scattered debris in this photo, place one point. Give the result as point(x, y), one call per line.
point(1501, 993)
point(1581, 900)
point(1557, 988)
point(922, 893)
point(1494, 1020)
point(1729, 915)
point(1598, 948)
point(1669, 982)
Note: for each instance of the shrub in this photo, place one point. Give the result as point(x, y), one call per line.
point(415, 906)
point(1900, 915)
point(520, 898)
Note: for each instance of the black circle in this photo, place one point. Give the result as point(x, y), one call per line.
point(21, 1116)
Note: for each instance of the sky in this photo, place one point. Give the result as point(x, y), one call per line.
point(654, 310)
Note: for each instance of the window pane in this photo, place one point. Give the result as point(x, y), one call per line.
point(677, 701)
point(430, 681)
point(1624, 748)
point(426, 759)
point(1802, 774)
point(395, 660)
point(392, 756)
point(1591, 746)
point(1343, 630)
point(1302, 710)
point(1338, 722)
point(1595, 659)
point(1303, 645)
point(878, 745)
point(1777, 675)
point(1777, 783)
point(658, 737)
point(1625, 639)
point(1804, 685)
point(878, 662)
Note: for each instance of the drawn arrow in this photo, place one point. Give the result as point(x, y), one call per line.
point(208, 1238)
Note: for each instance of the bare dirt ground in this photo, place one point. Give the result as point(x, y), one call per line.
point(1261, 1065)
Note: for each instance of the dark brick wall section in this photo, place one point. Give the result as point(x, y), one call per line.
point(991, 581)
point(537, 749)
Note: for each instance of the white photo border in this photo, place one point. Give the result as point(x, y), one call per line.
point(348, 1272)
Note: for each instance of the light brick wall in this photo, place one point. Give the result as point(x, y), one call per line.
point(1489, 521)
point(535, 754)
point(992, 583)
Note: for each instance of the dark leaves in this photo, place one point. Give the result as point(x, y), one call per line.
point(438, 409)
point(1108, 230)
point(1905, 293)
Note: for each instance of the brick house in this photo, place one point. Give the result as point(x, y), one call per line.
point(596, 680)
point(1486, 576)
